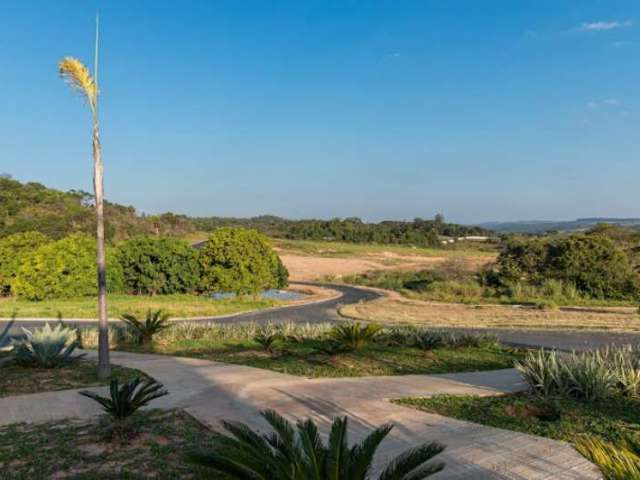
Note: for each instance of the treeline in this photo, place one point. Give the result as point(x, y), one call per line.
point(418, 232)
point(27, 207)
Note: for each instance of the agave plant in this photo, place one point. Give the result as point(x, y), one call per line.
point(47, 347)
point(354, 336)
point(297, 452)
point(154, 323)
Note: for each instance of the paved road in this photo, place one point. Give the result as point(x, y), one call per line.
point(326, 311)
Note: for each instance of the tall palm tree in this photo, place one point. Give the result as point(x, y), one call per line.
point(297, 452)
point(79, 78)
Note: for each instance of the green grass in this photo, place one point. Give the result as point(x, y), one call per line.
point(19, 380)
point(78, 450)
point(304, 358)
point(610, 420)
point(344, 249)
point(179, 305)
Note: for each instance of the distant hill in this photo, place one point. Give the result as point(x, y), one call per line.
point(33, 206)
point(542, 226)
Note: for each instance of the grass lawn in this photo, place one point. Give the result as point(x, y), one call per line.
point(609, 420)
point(305, 359)
point(78, 450)
point(180, 305)
point(344, 249)
point(19, 380)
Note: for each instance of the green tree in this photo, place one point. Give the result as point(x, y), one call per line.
point(12, 252)
point(239, 260)
point(64, 269)
point(158, 265)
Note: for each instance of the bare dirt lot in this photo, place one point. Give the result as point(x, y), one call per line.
point(308, 267)
point(395, 309)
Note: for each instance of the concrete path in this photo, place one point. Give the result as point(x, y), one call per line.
point(213, 391)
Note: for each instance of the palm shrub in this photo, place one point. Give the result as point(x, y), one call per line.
point(353, 336)
point(428, 339)
point(297, 452)
point(267, 339)
point(126, 399)
point(617, 461)
point(155, 322)
point(47, 347)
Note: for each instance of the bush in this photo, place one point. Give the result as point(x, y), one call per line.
point(63, 269)
point(592, 375)
point(144, 332)
point(617, 461)
point(125, 400)
point(158, 265)
point(298, 452)
point(47, 347)
point(353, 336)
point(589, 264)
point(241, 261)
point(12, 252)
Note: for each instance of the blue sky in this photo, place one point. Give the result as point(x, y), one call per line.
point(492, 110)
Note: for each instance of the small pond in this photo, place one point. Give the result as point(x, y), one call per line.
point(273, 294)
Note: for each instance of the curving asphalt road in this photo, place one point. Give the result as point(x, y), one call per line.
point(327, 311)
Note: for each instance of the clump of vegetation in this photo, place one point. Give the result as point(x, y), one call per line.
point(311, 351)
point(297, 452)
point(618, 461)
point(47, 347)
point(125, 400)
point(158, 265)
point(593, 375)
point(353, 336)
point(592, 264)
point(62, 269)
point(12, 250)
point(155, 322)
point(267, 339)
point(241, 261)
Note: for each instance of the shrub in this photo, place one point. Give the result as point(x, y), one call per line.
point(158, 265)
point(12, 251)
point(592, 264)
point(298, 452)
point(65, 268)
point(4, 338)
point(267, 339)
point(241, 261)
point(47, 347)
point(617, 462)
point(154, 323)
point(592, 375)
point(353, 336)
point(125, 400)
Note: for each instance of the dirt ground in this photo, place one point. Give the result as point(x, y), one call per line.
point(396, 309)
point(306, 267)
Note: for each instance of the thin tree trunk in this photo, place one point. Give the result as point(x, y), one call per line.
point(104, 366)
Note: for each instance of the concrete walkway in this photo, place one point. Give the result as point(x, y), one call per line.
point(213, 391)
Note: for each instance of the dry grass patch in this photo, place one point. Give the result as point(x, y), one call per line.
point(397, 310)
